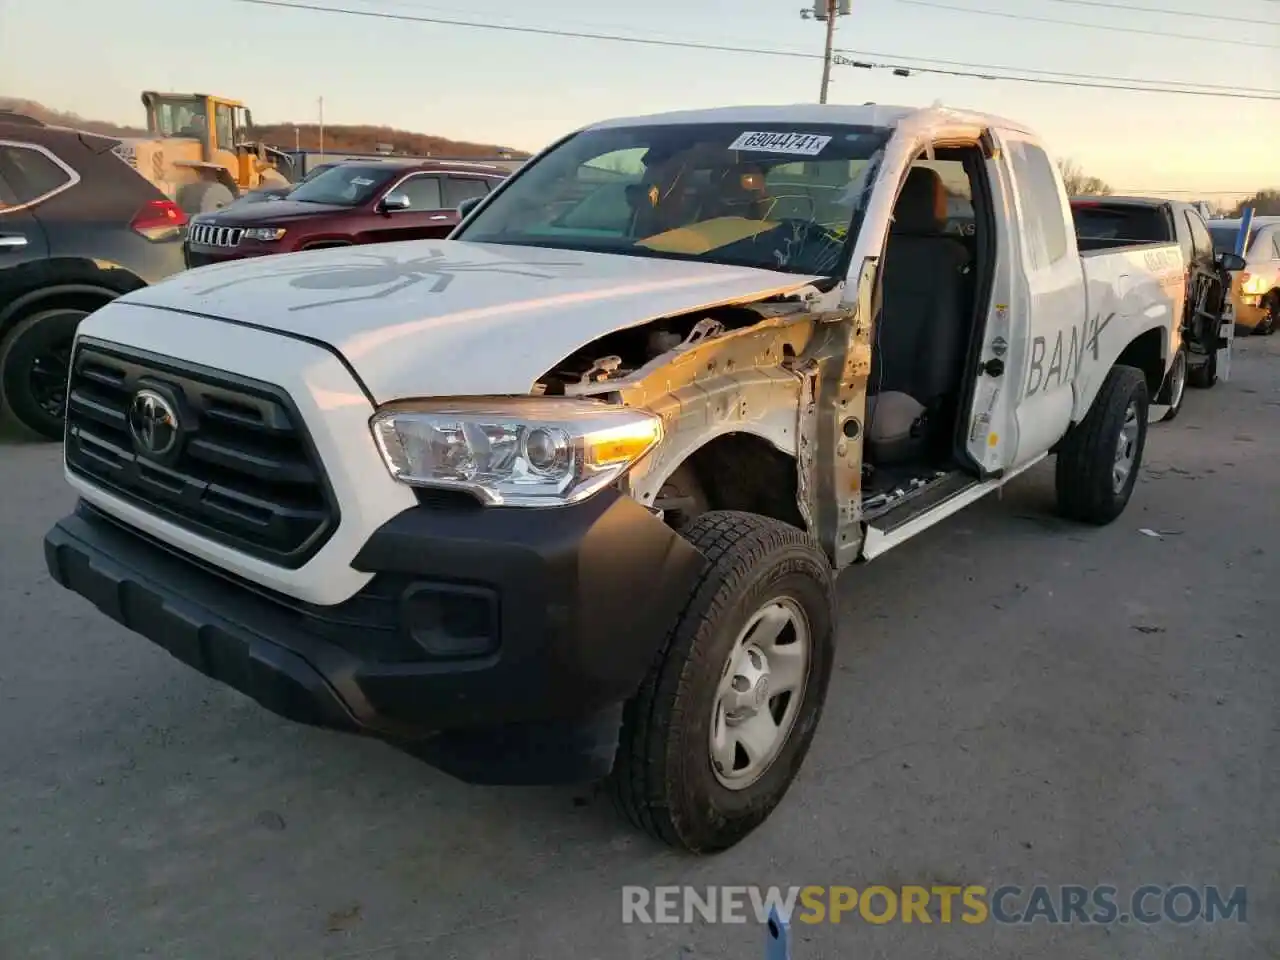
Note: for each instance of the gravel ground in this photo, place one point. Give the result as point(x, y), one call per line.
point(1018, 701)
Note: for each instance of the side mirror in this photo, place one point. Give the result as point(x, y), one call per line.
point(1231, 262)
point(467, 205)
point(395, 201)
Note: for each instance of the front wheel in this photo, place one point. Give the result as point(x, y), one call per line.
point(720, 727)
point(1099, 460)
point(204, 196)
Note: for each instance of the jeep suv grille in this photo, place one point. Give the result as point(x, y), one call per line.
point(209, 236)
point(242, 472)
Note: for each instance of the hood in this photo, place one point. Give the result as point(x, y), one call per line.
point(454, 318)
point(239, 214)
point(262, 194)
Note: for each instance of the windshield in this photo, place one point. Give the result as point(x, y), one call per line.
point(316, 172)
point(179, 117)
point(1225, 237)
point(786, 197)
point(347, 185)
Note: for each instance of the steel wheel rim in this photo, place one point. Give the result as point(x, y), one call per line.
point(1126, 449)
point(1179, 384)
point(761, 689)
point(47, 379)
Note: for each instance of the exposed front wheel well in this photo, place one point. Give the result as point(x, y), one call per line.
point(735, 471)
point(1147, 353)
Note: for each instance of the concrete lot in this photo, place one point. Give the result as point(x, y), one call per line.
point(1018, 701)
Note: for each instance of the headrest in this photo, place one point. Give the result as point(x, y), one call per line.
point(922, 205)
point(641, 196)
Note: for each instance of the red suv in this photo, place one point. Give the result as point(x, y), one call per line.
point(355, 202)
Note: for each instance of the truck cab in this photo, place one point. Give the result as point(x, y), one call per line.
point(563, 496)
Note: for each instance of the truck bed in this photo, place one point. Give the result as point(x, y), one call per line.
point(1110, 224)
point(1129, 291)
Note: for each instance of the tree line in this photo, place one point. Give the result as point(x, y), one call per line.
point(1265, 203)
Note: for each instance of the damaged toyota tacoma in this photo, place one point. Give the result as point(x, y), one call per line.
point(562, 498)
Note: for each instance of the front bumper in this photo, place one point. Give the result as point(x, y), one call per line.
point(497, 644)
point(1249, 312)
point(201, 256)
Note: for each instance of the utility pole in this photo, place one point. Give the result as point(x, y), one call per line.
point(826, 54)
point(322, 128)
point(827, 11)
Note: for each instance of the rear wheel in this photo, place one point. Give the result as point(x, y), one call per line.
point(1206, 374)
point(1175, 387)
point(34, 365)
point(1099, 460)
point(718, 731)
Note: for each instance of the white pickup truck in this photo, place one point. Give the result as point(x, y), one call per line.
point(562, 497)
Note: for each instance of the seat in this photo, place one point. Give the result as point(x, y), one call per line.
point(917, 360)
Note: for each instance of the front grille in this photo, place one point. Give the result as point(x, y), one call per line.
point(244, 472)
point(209, 236)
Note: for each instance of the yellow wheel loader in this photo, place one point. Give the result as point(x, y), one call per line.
point(199, 152)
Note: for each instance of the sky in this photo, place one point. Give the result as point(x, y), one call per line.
point(521, 90)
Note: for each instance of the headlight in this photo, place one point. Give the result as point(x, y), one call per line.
point(264, 234)
point(534, 452)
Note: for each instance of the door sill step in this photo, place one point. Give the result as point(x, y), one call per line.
point(928, 498)
point(937, 502)
point(883, 509)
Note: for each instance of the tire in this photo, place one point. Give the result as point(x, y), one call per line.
point(1272, 319)
point(204, 196)
point(1204, 376)
point(34, 355)
point(1174, 391)
point(664, 779)
point(1090, 487)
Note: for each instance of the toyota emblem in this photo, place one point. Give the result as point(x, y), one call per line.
point(153, 423)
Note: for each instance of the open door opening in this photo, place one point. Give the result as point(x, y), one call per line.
point(935, 286)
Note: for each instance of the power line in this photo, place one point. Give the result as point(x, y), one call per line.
point(1051, 81)
point(538, 31)
point(1197, 88)
point(1149, 87)
point(579, 23)
point(1164, 11)
point(1089, 26)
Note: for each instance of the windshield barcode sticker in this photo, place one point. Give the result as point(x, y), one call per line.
point(796, 144)
point(361, 182)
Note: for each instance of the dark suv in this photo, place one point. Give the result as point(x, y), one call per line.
point(351, 203)
point(78, 227)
